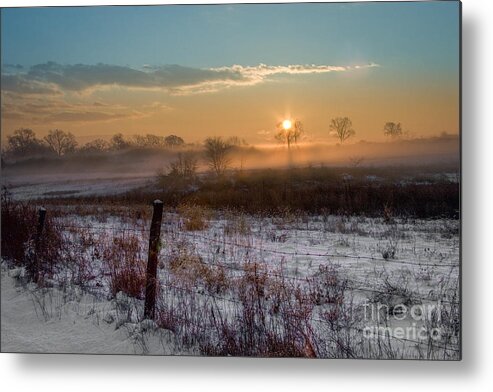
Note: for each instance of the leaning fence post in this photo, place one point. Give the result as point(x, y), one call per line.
point(151, 274)
point(37, 243)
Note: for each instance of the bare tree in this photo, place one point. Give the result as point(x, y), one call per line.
point(139, 141)
point(239, 145)
point(118, 142)
point(235, 141)
point(342, 128)
point(173, 141)
point(61, 142)
point(289, 132)
point(24, 142)
point(185, 166)
point(392, 129)
point(149, 141)
point(95, 146)
point(154, 141)
point(217, 154)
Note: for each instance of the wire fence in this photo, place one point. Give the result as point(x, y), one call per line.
point(346, 284)
point(263, 249)
point(351, 284)
point(217, 241)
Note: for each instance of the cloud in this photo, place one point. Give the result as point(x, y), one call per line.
point(51, 77)
point(79, 77)
point(238, 75)
point(53, 92)
point(45, 110)
point(83, 116)
point(262, 70)
point(13, 67)
point(19, 84)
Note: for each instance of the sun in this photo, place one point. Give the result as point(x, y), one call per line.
point(286, 124)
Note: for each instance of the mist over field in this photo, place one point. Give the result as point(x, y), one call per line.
point(149, 161)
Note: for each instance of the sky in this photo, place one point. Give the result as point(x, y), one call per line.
point(231, 70)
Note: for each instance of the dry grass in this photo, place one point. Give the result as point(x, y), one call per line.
point(237, 224)
point(189, 268)
point(125, 266)
point(195, 218)
point(245, 306)
point(19, 230)
point(327, 287)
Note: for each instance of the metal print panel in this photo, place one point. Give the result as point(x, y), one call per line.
point(260, 180)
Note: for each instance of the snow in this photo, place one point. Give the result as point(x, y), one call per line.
point(52, 321)
point(29, 187)
point(64, 319)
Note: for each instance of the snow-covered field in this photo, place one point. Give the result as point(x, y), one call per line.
point(317, 285)
point(290, 284)
point(68, 320)
point(46, 186)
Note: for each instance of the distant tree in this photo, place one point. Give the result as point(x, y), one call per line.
point(217, 154)
point(298, 132)
point(139, 141)
point(23, 142)
point(118, 142)
point(237, 142)
point(342, 128)
point(241, 153)
point(289, 132)
point(148, 141)
point(94, 146)
point(392, 129)
point(185, 167)
point(153, 141)
point(173, 141)
point(61, 142)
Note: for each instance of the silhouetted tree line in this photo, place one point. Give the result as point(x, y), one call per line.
point(24, 143)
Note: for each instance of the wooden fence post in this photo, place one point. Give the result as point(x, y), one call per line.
point(151, 274)
point(37, 243)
